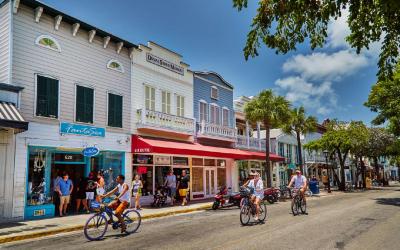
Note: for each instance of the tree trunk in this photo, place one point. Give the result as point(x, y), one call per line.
point(342, 183)
point(299, 151)
point(267, 160)
point(364, 181)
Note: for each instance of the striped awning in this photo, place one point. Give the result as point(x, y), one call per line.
point(10, 117)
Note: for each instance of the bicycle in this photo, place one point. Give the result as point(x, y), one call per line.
point(298, 202)
point(96, 226)
point(248, 208)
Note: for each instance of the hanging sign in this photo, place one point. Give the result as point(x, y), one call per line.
point(77, 129)
point(90, 151)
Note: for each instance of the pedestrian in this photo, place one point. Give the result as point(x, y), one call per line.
point(170, 183)
point(100, 185)
point(64, 188)
point(56, 175)
point(90, 189)
point(81, 195)
point(325, 180)
point(183, 185)
point(137, 186)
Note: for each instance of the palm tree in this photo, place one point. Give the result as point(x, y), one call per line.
point(299, 125)
point(271, 111)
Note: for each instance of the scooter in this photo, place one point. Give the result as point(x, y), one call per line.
point(223, 199)
point(272, 195)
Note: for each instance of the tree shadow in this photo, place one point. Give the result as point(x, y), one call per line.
point(388, 201)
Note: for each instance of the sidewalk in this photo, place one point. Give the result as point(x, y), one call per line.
point(15, 231)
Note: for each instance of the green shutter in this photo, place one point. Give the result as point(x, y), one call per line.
point(47, 97)
point(84, 104)
point(114, 110)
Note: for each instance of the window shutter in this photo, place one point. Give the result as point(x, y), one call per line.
point(114, 110)
point(89, 105)
point(118, 111)
point(111, 110)
point(84, 104)
point(47, 97)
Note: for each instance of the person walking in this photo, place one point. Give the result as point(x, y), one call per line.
point(90, 189)
point(81, 195)
point(137, 186)
point(183, 185)
point(64, 189)
point(170, 183)
point(100, 186)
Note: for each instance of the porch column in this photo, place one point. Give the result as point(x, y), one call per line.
point(259, 135)
point(247, 134)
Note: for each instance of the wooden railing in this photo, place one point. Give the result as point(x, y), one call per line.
point(216, 130)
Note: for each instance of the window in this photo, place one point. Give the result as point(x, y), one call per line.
point(289, 152)
point(150, 98)
point(84, 104)
point(214, 92)
point(114, 110)
point(225, 117)
point(203, 111)
point(180, 105)
point(115, 65)
point(47, 97)
point(281, 149)
point(214, 114)
point(48, 42)
point(166, 102)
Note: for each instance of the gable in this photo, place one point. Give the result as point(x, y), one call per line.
point(215, 78)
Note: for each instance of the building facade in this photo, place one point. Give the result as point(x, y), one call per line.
point(75, 79)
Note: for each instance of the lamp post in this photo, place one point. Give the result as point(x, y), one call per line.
point(326, 154)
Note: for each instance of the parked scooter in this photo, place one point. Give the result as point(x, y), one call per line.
point(272, 195)
point(224, 198)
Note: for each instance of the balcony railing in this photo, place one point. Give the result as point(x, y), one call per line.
point(215, 130)
point(250, 143)
point(314, 157)
point(156, 119)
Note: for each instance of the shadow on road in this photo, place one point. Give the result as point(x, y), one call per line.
point(388, 201)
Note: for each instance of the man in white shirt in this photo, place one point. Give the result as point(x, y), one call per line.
point(300, 182)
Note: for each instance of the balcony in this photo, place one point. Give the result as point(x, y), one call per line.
point(250, 143)
point(216, 131)
point(314, 157)
point(156, 121)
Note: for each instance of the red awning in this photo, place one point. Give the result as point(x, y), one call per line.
point(150, 145)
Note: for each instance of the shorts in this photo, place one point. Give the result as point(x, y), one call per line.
point(259, 196)
point(118, 206)
point(171, 192)
point(100, 191)
point(81, 195)
point(90, 195)
point(64, 199)
point(183, 192)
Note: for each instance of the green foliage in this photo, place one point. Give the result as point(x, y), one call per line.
point(282, 24)
point(298, 122)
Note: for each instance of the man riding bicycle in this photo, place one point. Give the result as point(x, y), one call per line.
point(121, 202)
point(300, 182)
point(257, 185)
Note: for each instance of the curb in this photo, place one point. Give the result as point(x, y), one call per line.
point(80, 227)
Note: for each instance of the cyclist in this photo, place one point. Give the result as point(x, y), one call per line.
point(121, 202)
point(300, 182)
point(257, 185)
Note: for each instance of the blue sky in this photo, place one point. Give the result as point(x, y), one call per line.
point(332, 82)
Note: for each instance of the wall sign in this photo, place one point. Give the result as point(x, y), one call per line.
point(90, 151)
point(77, 129)
point(162, 160)
point(164, 63)
point(68, 157)
point(141, 150)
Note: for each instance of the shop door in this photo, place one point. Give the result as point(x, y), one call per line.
point(3, 158)
point(210, 181)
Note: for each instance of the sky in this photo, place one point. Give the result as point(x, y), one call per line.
point(332, 82)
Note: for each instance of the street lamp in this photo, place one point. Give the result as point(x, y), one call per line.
point(326, 154)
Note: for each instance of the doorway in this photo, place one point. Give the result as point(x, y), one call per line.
point(210, 181)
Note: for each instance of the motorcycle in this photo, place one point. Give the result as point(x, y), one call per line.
point(224, 198)
point(272, 195)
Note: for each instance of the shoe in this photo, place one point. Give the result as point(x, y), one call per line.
point(87, 211)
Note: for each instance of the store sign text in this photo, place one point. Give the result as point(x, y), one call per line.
point(90, 151)
point(142, 150)
point(77, 129)
point(164, 63)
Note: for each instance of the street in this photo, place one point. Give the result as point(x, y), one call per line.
point(367, 220)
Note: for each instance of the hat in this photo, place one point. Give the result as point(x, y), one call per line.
point(252, 173)
point(298, 171)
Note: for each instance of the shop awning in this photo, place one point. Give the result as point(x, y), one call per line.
point(151, 145)
point(10, 117)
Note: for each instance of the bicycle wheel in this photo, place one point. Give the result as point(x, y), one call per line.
point(95, 227)
point(295, 209)
point(245, 215)
point(263, 212)
point(303, 206)
point(132, 220)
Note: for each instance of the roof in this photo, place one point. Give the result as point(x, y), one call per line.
point(10, 117)
point(152, 145)
point(216, 74)
point(69, 19)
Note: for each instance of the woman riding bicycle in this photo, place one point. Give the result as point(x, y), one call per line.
point(257, 185)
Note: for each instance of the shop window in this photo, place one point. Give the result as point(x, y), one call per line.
point(84, 104)
point(166, 102)
point(161, 175)
point(114, 110)
point(182, 161)
point(197, 161)
point(47, 95)
point(111, 163)
point(48, 42)
point(142, 159)
point(221, 177)
point(115, 65)
point(162, 160)
point(197, 179)
point(209, 162)
point(221, 163)
point(38, 188)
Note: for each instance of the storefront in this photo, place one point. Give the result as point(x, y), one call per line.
point(46, 163)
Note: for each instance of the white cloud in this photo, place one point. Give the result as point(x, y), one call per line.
point(319, 98)
point(338, 30)
point(323, 66)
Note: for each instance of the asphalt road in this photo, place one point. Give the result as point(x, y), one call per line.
point(368, 220)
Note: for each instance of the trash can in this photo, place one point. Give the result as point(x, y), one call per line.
point(314, 187)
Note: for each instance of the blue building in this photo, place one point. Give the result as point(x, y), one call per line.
point(213, 108)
